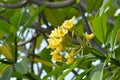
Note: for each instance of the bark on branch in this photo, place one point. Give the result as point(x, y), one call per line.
point(54, 4)
point(17, 5)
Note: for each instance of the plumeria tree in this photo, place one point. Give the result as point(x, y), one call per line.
point(59, 39)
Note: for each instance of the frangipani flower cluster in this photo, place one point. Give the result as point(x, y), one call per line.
point(55, 40)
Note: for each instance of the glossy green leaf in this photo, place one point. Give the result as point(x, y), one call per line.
point(1, 34)
point(117, 53)
point(22, 66)
point(18, 75)
point(103, 7)
point(7, 74)
point(114, 32)
point(118, 37)
point(7, 13)
point(97, 53)
point(93, 5)
point(116, 75)
point(100, 27)
point(4, 26)
point(97, 72)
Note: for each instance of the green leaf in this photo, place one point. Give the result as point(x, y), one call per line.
point(115, 3)
point(7, 13)
point(3, 68)
point(35, 76)
point(116, 75)
point(54, 16)
point(4, 26)
point(38, 43)
point(79, 29)
point(45, 56)
point(104, 6)
point(44, 62)
point(17, 18)
point(32, 18)
point(1, 34)
point(77, 1)
point(93, 5)
point(97, 53)
point(114, 32)
point(7, 74)
point(23, 66)
point(100, 27)
point(6, 51)
point(76, 63)
point(56, 71)
point(81, 75)
point(97, 72)
point(18, 75)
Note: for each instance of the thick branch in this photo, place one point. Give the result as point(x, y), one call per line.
point(18, 5)
point(37, 27)
point(54, 4)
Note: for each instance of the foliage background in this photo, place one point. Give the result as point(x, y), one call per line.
point(25, 24)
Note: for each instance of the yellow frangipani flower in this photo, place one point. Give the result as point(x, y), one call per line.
point(59, 32)
point(70, 60)
point(70, 57)
point(88, 36)
point(68, 24)
point(56, 47)
point(57, 57)
point(53, 52)
point(54, 41)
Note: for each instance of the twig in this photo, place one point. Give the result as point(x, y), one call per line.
point(86, 25)
point(18, 5)
point(27, 41)
point(5, 19)
point(33, 44)
point(54, 4)
point(44, 19)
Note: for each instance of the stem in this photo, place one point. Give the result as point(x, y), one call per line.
point(15, 44)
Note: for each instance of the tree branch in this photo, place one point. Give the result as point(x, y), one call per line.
point(27, 41)
point(54, 4)
point(87, 28)
point(86, 25)
point(37, 27)
point(18, 5)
